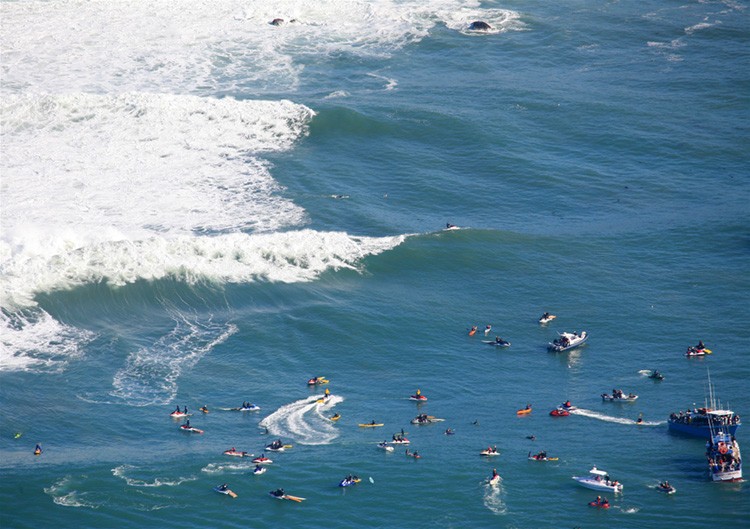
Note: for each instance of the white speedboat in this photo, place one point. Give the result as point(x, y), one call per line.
point(567, 340)
point(619, 397)
point(599, 480)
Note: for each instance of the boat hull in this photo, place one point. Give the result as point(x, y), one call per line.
point(699, 430)
point(732, 475)
point(598, 485)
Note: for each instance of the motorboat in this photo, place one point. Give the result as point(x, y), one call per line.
point(567, 341)
point(559, 412)
point(619, 396)
point(423, 419)
point(317, 381)
point(701, 421)
point(724, 459)
point(599, 480)
point(490, 452)
point(399, 441)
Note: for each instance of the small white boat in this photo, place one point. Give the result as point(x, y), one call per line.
point(489, 452)
point(259, 470)
point(619, 397)
point(385, 446)
point(567, 340)
point(494, 480)
point(599, 480)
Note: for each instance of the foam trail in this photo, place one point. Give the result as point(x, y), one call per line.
point(221, 468)
point(121, 471)
point(303, 421)
point(150, 374)
point(494, 497)
point(62, 494)
point(609, 418)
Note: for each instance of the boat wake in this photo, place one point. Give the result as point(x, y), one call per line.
point(157, 482)
point(645, 372)
point(304, 421)
point(68, 492)
point(609, 418)
point(494, 497)
point(220, 468)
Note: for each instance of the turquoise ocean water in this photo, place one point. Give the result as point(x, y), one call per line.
point(170, 237)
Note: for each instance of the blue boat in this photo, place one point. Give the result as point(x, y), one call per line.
point(701, 421)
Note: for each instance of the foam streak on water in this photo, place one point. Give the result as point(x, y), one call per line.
point(304, 421)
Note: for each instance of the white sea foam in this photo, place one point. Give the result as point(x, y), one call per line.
point(61, 494)
point(304, 421)
point(221, 468)
point(122, 470)
point(494, 497)
point(32, 339)
point(150, 374)
point(609, 418)
point(207, 47)
point(116, 189)
point(82, 169)
point(697, 27)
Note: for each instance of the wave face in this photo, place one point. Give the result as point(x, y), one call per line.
point(117, 189)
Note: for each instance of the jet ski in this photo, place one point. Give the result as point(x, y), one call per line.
point(385, 446)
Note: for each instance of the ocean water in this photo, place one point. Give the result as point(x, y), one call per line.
point(171, 236)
